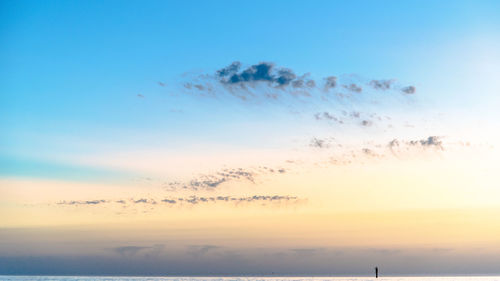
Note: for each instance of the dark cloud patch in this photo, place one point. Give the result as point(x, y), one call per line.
point(285, 77)
point(140, 96)
point(381, 84)
point(409, 90)
point(161, 84)
point(255, 73)
point(229, 70)
point(169, 201)
point(265, 73)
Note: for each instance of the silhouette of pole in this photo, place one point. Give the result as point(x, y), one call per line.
point(376, 272)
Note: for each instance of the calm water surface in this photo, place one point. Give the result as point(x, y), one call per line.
point(96, 278)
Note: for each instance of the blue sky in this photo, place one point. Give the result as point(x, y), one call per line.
point(70, 66)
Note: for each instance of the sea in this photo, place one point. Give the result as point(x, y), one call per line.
point(116, 278)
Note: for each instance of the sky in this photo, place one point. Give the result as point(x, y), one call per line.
point(249, 138)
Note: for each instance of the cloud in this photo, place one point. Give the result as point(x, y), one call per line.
point(262, 72)
point(144, 201)
point(193, 200)
point(369, 152)
point(347, 117)
point(86, 202)
point(266, 80)
point(353, 88)
point(303, 82)
point(216, 179)
point(229, 70)
point(327, 116)
point(429, 142)
point(366, 123)
point(381, 84)
point(319, 143)
point(409, 90)
point(330, 82)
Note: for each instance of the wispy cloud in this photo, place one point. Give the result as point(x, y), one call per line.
point(409, 90)
point(381, 84)
point(320, 143)
point(353, 88)
point(328, 116)
point(255, 198)
point(194, 200)
point(85, 202)
point(144, 201)
point(269, 81)
point(429, 142)
point(330, 82)
point(216, 179)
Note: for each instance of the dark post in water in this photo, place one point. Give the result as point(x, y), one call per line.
point(376, 272)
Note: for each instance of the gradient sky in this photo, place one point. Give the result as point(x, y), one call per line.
point(346, 134)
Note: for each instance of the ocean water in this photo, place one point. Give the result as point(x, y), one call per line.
point(97, 278)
